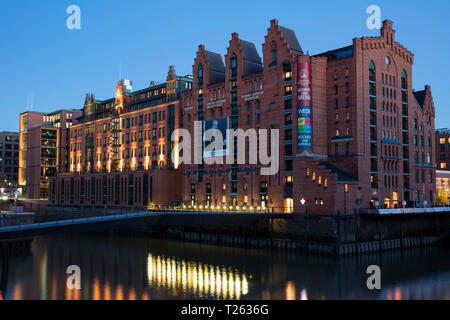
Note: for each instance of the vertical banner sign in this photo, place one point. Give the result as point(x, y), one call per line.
point(304, 106)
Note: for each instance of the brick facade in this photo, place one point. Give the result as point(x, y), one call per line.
point(371, 132)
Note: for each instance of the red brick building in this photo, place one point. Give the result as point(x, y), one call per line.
point(120, 148)
point(371, 134)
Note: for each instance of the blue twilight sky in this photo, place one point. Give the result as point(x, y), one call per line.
point(39, 55)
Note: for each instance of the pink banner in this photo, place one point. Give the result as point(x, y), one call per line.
point(304, 84)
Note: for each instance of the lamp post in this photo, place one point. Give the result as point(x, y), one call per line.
point(303, 203)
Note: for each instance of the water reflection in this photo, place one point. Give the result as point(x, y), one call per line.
point(138, 268)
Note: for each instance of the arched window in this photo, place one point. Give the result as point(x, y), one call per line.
point(372, 75)
point(200, 75)
point(233, 66)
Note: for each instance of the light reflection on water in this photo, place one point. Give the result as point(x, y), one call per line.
point(138, 268)
point(199, 279)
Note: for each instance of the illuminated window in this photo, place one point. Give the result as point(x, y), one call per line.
point(287, 90)
point(346, 188)
point(325, 183)
point(320, 180)
point(289, 205)
point(307, 172)
point(443, 140)
point(443, 165)
point(314, 176)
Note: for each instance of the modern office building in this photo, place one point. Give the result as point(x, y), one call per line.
point(43, 149)
point(443, 149)
point(9, 159)
point(353, 134)
point(119, 149)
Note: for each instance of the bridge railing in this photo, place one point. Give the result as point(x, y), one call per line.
point(54, 214)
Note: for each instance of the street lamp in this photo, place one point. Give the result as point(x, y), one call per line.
point(303, 203)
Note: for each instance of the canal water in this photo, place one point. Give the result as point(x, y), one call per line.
point(128, 267)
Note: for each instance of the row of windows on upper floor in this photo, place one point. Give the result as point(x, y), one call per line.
point(422, 158)
point(147, 151)
point(218, 94)
point(140, 136)
point(419, 141)
point(136, 152)
point(149, 94)
point(389, 79)
point(421, 174)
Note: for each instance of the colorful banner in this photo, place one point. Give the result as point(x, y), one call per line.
point(304, 106)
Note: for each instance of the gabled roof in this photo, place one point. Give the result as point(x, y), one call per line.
point(250, 52)
point(292, 40)
point(215, 61)
point(420, 97)
point(252, 60)
point(216, 67)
